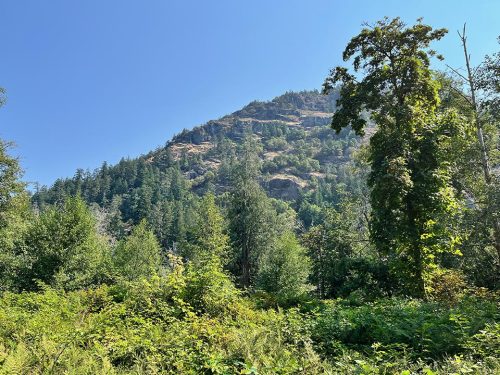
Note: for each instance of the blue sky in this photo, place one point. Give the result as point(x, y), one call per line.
point(96, 80)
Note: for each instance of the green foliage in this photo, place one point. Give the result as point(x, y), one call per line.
point(424, 330)
point(12, 193)
point(146, 326)
point(393, 57)
point(138, 255)
point(276, 143)
point(62, 248)
point(487, 81)
point(447, 286)
point(413, 205)
point(469, 153)
point(343, 262)
point(284, 269)
point(209, 236)
point(411, 196)
point(252, 219)
point(14, 214)
point(147, 329)
point(209, 289)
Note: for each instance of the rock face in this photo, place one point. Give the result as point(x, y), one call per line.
point(284, 187)
point(297, 144)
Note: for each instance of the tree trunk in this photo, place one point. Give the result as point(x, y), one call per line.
point(416, 251)
point(245, 263)
point(480, 138)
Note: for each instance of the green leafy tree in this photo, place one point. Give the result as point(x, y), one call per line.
point(14, 214)
point(342, 260)
point(284, 269)
point(209, 235)
point(479, 260)
point(138, 255)
point(411, 196)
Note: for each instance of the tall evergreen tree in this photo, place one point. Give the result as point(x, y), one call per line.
point(250, 215)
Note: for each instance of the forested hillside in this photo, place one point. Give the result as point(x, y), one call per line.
point(293, 142)
point(299, 160)
point(352, 231)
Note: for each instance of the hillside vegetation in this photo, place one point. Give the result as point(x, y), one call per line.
point(352, 231)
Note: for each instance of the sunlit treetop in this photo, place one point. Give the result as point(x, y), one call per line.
point(391, 75)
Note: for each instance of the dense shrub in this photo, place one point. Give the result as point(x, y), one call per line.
point(159, 325)
point(427, 330)
point(146, 327)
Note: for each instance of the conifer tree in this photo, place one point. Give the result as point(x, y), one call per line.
point(14, 215)
point(62, 248)
point(250, 215)
point(210, 237)
point(284, 269)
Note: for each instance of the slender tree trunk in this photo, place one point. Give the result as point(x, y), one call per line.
point(245, 261)
point(416, 251)
point(475, 107)
point(245, 273)
point(480, 137)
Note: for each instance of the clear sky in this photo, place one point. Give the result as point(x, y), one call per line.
point(94, 80)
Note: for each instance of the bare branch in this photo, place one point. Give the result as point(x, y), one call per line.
point(458, 73)
point(469, 100)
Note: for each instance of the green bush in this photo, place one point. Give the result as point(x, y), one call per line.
point(424, 329)
point(147, 326)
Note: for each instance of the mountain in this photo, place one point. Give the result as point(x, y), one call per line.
point(299, 152)
point(292, 129)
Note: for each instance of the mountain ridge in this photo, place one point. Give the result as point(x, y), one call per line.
point(296, 146)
